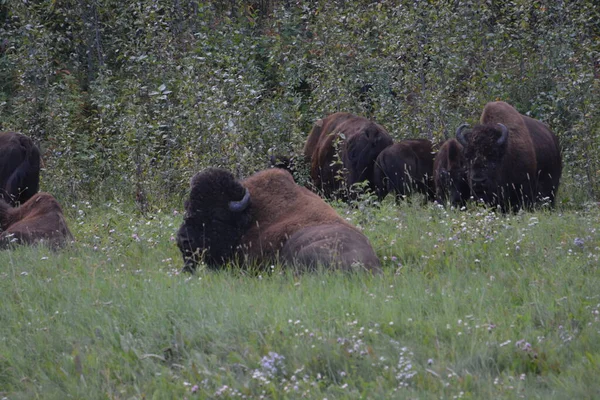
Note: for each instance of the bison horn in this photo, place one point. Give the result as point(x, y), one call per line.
point(460, 136)
point(239, 206)
point(504, 135)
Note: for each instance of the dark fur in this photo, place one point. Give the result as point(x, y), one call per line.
point(518, 173)
point(19, 168)
point(549, 160)
point(208, 223)
point(449, 174)
point(39, 220)
point(278, 210)
point(358, 141)
point(405, 167)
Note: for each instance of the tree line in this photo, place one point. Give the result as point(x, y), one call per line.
point(135, 97)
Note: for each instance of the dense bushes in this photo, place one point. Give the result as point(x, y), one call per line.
point(134, 97)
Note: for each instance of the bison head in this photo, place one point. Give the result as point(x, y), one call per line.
point(216, 215)
point(484, 150)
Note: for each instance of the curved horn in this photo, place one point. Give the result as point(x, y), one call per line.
point(460, 136)
point(504, 135)
point(239, 206)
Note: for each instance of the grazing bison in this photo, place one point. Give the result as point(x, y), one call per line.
point(264, 218)
point(342, 149)
point(38, 220)
point(19, 168)
point(405, 167)
point(449, 174)
point(513, 161)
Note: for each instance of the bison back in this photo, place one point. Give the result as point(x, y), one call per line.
point(280, 208)
point(334, 246)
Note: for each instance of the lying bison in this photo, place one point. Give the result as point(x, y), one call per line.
point(450, 175)
point(404, 168)
point(513, 161)
point(265, 218)
point(342, 149)
point(38, 220)
point(19, 168)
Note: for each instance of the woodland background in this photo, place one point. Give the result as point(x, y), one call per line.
point(131, 98)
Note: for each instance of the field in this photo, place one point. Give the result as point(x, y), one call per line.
point(128, 100)
point(472, 304)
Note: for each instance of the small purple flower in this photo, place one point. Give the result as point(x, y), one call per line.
point(579, 242)
point(195, 388)
point(272, 364)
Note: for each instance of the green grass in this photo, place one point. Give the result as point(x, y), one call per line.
point(472, 304)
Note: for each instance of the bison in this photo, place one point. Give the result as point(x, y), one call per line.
point(449, 174)
point(39, 220)
point(19, 168)
point(265, 218)
point(513, 161)
point(341, 150)
point(405, 167)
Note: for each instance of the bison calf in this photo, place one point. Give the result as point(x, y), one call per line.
point(39, 220)
point(449, 174)
point(404, 168)
point(265, 218)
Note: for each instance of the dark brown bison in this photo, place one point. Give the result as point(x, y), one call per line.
point(404, 168)
point(342, 149)
point(513, 161)
point(265, 218)
point(19, 168)
point(450, 175)
point(39, 220)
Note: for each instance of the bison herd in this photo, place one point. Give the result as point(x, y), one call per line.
point(508, 161)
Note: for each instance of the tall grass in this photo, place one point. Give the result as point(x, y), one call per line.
point(472, 304)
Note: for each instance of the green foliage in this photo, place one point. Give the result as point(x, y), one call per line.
point(136, 97)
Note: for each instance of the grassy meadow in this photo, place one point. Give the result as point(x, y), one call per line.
point(472, 304)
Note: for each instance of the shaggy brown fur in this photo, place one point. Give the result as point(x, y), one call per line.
point(449, 174)
point(548, 157)
point(405, 167)
point(39, 220)
point(358, 142)
point(507, 174)
point(19, 168)
point(278, 209)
